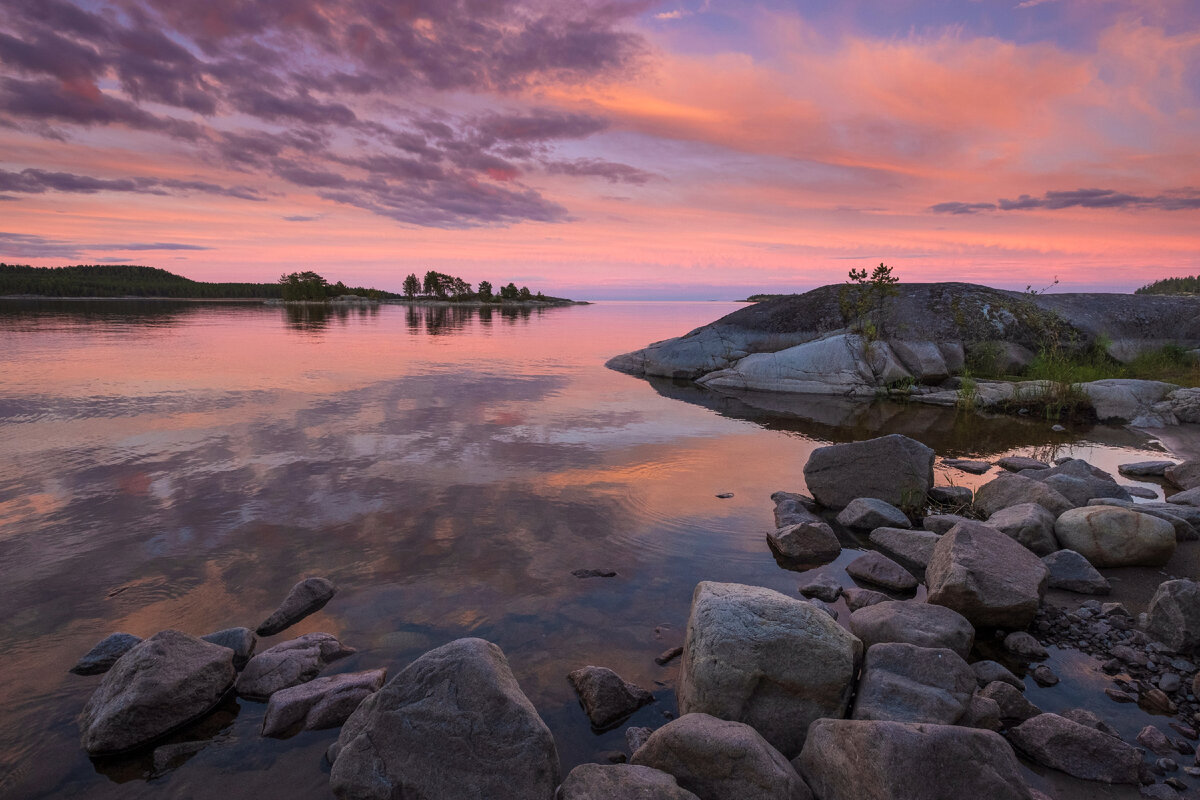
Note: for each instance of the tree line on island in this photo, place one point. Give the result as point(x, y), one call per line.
point(441, 286)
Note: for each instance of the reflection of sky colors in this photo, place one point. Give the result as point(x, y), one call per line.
point(689, 148)
point(185, 465)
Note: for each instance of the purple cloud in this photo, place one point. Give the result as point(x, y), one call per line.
point(611, 171)
point(37, 181)
point(1173, 200)
point(20, 245)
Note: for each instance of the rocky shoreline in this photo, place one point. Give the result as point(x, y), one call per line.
point(777, 698)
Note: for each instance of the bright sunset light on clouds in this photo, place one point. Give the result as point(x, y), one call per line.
point(606, 149)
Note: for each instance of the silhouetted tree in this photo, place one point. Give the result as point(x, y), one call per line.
point(485, 291)
point(411, 286)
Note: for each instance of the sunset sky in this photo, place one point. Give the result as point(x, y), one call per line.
point(682, 149)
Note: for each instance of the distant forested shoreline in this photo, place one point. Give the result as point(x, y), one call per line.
point(1186, 285)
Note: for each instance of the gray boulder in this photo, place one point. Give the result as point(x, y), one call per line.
point(1018, 463)
point(159, 685)
point(1081, 489)
point(1185, 475)
point(1187, 497)
point(1110, 536)
point(874, 760)
point(982, 712)
point(806, 543)
point(990, 671)
point(306, 597)
point(975, 467)
point(1091, 720)
point(894, 468)
point(241, 641)
point(1078, 750)
point(857, 597)
point(756, 656)
point(288, 664)
point(1174, 615)
point(910, 548)
point(1008, 489)
point(940, 523)
point(1023, 645)
point(453, 723)
point(1014, 707)
point(877, 569)
point(1028, 523)
point(620, 782)
point(1183, 519)
point(717, 759)
point(906, 683)
point(792, 508)
point(823, 587)
point(1128, 400)
point(869, 513)
point(1074, 573)
point(951, 495)
point(606, 697)
point(987, 577)
point(919, 624)
point(836, 364)
point(321, 703)
point(1146, 469)
point(105, 653)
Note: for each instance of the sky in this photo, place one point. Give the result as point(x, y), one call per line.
point(605, 149)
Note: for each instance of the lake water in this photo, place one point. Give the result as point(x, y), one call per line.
point(173, 465)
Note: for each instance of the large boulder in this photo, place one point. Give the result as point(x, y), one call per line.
point(810, 542)
point(1009, 489)
point(1015, 708)
point(241, 641)
point(869, 513)
point(1110, 536)
point(1185, 475)
point(289, 663)
point(910, 548)
point(1128, 400)
point(620, 782)
point(321, 703)
point(877, 569)
point(1183, 519)
point(756, 656)
point(905, 683)
point(453, 723)
point(987, 577)
point(919, 624)
point(1074, 573)
point(839, 364)
point(105, 653)
point(893, 468)
point(717, 759)
point(159, 685)
point(1174, 615)
point(1147, 469)
point(606, 697)
point(874, 760)
point(1078, 750)
point(306, 597)
point(1028, 523)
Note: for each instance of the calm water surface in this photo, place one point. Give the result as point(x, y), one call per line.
point(171, 465)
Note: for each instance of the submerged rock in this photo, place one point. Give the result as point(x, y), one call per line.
point(1018, 463)
point(606, 697)
point(288, 664)
point(894, 468)
point(968, 465)
point(105, 653)
point(1110, 536)
point(612, 781)
point(721, 760)
point(774, 662)
point(161, 684)
point(453, 723)
point(905, 683)
point(919, 624)
point(1149, 469)
point(306, 597)
point(321, 703)
point(1077, 750)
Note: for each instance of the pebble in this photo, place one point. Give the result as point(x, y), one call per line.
point(1169, 682)
point(727, 495)
point(1044, 676)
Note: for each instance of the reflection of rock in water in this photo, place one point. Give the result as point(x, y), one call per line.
point(845, 419)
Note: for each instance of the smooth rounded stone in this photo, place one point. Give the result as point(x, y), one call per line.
point(717, 759)
point(987, 577)
point(792, 508)
point(105, 653)
point(1073, 573)
point(806, 543)
point(893, 468)
point(868, 513)
point(306, 597)
point(1018, 463)
point(241, 641)
point(1110, 536)
point(453, 723)
point(982, 712)
point(1078, 750)
point(877, 569)
point(875, 760)
point(1155, 741)
point(635, 737)
point(1174, 615)
point(1044, 676)
point(989, 671)
point(1185, 475)
point(1157, 700)
point(1169, 682)
point(857, 597)
point(606, 697)
point(941, 523)
point(1149, 469)
point(1022, 644)
point(1184, 518)
point(905, 683)
point(159, 685)
point(967, 465)
point(756, 656)
point(1140, 491)
point(919, 624)
point(321, 703)
point(1088, 718)
point(1014, 707)
point(1008, 489)
point(288, 664)
point(1188, 497)
point(1028, 523)
point(907, 547)
point(951, 495)
point(823, 587)
point(620, 781)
